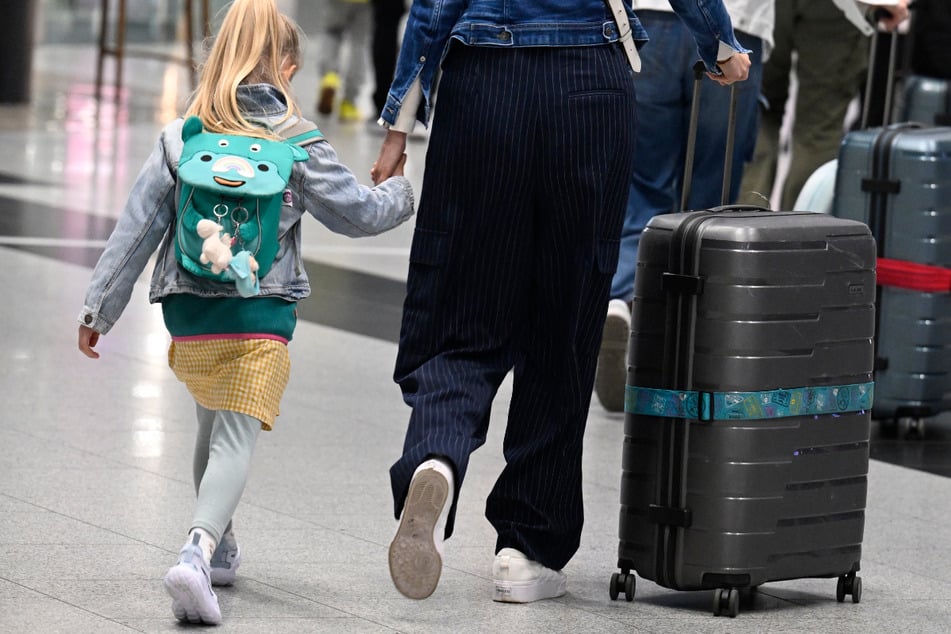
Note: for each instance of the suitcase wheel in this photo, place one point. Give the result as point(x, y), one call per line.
point(726, 601)
point(849, 584)
point(623, 581)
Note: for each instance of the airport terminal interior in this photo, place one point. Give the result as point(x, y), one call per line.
point(95, 468)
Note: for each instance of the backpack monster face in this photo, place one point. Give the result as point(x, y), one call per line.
point(235, 166)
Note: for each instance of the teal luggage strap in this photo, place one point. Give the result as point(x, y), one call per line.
point(781, 403)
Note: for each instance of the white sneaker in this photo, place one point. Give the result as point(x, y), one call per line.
point(416, 551)
point(225, 561)
point(189, 584)
point(611, 378)
point(518, 579)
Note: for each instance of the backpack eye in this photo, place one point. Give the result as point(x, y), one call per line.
point(205, 157)
point(222, 142)
point(255, 147)
point(263, 167)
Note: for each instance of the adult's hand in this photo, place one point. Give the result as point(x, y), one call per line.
point(392, 157)
point(891, 15)
point(735, 68)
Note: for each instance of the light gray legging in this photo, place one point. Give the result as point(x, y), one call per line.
point(222, 461)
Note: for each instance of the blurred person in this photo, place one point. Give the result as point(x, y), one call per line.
point(664, 95)
point(829, 41)
point(344, 22)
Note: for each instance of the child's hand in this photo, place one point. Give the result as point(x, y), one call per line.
point(88, 338)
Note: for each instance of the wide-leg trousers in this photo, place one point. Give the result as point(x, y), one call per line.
point(515, 243)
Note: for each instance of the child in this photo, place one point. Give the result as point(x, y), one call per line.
point(230, 350)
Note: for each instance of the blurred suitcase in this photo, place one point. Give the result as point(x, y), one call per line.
point(746, 434)
point(927, 101)
point(897, 179)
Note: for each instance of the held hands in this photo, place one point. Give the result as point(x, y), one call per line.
point(88, 338)
point(735, 68)
point(392, 157)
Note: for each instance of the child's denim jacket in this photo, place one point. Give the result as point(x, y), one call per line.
point(321, 186)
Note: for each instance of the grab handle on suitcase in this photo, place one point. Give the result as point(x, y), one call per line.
point(723, 208)
point(698, 73)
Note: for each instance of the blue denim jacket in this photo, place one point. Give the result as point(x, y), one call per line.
point(321, 186)
point(433, 23)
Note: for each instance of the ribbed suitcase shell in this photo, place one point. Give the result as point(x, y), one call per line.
point(787, 301)
point(913, 224)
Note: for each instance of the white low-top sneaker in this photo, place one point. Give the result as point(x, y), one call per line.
point(415, 555)
point(610, 381)
point(518, 579)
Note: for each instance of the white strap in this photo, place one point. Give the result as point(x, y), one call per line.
point(625, 36)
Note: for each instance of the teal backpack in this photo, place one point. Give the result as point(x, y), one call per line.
point(229, 208)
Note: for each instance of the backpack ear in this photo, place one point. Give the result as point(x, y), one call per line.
point(300, 154)
point(191, 127)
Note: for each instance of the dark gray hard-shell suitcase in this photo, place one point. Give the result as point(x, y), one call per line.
point(748, 311)
point(747, 419)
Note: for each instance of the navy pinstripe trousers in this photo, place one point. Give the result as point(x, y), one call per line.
point(516, 240)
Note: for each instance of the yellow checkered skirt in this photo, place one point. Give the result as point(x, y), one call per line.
point(240, 375)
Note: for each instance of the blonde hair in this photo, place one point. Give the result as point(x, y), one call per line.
point(254, 44)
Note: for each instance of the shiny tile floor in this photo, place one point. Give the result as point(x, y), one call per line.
point(95, 485)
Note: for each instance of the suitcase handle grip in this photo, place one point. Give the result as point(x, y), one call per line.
point(726, 208)
point(698, 73)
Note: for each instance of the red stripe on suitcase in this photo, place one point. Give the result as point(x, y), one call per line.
point(914, 276)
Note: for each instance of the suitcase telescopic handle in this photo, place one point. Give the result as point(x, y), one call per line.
point(878, 15)
point(698, 73)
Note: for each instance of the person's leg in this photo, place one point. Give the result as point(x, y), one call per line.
point(657, 166)
point(231, 446)
point(467, 277)
point(580, 177)
point(358, 34)
point(661, 103)
point(759, 173)
point(386, 22)
point(227, 460)
point(333, 27)
point(206, 422)
point(833, 56)
point(465, 272)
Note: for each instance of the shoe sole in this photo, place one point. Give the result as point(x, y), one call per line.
point(528, 591)
point(325, 103)
point(225, 576)
point(188, 600)
point(610, 381)
point(415, 564)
